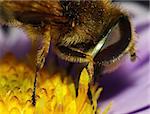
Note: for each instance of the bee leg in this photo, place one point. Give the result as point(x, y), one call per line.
point(132, 52)
point(76, 77)
point(39, 66)
point(40, 59)
point(34, 89)
point(77, 85)
point(90, 70)
point(89, 93)
point(75, 74)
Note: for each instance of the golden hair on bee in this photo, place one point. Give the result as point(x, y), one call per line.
point(93, 32)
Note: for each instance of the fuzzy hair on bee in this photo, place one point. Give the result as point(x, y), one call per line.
point(93, 32)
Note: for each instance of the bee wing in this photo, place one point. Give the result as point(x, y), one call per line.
point(32, 12)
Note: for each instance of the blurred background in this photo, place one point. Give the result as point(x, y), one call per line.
point(141, 2)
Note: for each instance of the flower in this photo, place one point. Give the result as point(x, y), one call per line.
point(55, 93)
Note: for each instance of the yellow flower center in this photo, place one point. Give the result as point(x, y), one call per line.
point(55, 93)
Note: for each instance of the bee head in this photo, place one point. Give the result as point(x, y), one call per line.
point(101, 30)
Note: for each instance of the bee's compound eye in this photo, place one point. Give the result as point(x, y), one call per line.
point(117, 41)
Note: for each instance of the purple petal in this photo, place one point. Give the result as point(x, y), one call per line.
point(15, 42)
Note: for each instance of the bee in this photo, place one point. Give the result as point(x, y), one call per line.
point(93, 32)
